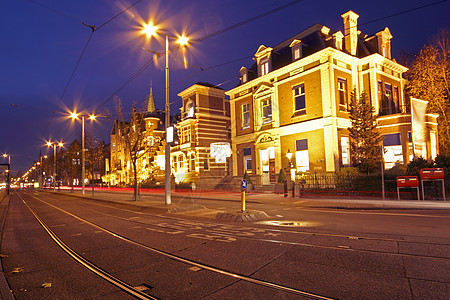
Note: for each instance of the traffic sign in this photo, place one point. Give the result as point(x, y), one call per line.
point(244, 184)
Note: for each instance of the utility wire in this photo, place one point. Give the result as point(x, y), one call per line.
point(55, 11)
point(249, 20)
point(118, 14)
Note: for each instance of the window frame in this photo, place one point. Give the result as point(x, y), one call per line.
point(264, 67)
point(266, 107)
point(343, 93)
point(299, 87)
point(245, 125)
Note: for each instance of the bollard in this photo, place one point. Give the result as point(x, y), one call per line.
point(243, 200)
point(285, 189)
point(293, 189)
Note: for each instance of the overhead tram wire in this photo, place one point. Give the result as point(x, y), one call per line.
point(256, 18)
point(56, 11)
point(93, 29)
point(208, 37)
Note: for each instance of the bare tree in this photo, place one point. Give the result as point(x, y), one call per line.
point(132, 136)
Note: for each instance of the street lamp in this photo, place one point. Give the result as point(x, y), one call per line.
point(9, 172)
point(50, 144)
point(152, 30)
point(74, 115)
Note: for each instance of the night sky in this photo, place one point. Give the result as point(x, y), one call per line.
point(43, 40)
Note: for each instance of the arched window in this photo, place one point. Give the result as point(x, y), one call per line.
point(190, 109)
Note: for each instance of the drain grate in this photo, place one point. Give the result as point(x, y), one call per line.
point(143, 288)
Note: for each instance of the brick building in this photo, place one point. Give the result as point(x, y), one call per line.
point(295, 98)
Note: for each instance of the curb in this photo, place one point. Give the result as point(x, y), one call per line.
point(5, 289)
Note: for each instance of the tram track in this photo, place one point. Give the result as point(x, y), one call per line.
point(131, 290)
point(224, 227)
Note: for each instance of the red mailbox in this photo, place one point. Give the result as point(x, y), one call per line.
point(432, 173)
point(407, 181)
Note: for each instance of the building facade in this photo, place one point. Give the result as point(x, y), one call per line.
point(140, 141)
point(204, 120)
point(295, 99)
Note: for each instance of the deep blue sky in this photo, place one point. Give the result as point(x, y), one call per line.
point(40, 48)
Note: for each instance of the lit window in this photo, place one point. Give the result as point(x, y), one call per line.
point(296, 53)
point(433, 144)
point(180, 162)
point(298, 92)
point(244, 78)
point(393, 151)
point(342, 88)
point(266, 109)
point(264, 67)
point(302, 155)
point(248, 160)
point(345, 149)
point(396, 100)
point(190, 109)
point(245, 116)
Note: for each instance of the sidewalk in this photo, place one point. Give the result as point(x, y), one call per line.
point(193, 200)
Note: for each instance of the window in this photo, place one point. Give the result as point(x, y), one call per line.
point(266, 109)
point(185, 134)
point(180, 162)
point(296, 53)
point(393, 151)
point(245, 116)
point(244, 78)
point(190, 109)
point(343, 98)
point(192, 162)
point(248, 160)
point(206, 163)
point(345, 150)
point(301, 155)
point(175, 163)
point(298, 92)
point(396, 100)
point(264, 67)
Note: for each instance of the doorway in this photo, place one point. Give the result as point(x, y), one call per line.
point(267, 158)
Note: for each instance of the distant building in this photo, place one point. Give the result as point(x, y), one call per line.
point(149, 150)
point(205, 119)
point(295, 98)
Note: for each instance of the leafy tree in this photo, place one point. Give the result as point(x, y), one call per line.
point(429, 78)
point(364, 138)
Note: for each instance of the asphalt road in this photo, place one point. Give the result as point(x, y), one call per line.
point(321, 252)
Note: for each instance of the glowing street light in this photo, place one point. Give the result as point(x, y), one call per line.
point(5, 155)
point(74, 116)
point(54, 144)
point(151, 30)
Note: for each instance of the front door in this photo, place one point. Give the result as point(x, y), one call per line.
point(267, 157)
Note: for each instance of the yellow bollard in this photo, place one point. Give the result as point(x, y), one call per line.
point(243, 200)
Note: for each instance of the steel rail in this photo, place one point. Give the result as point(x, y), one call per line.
point(191, 262)
point(86, 263)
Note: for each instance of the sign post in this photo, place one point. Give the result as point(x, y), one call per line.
point(244, 187)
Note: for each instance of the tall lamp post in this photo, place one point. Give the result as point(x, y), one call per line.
point(9, 172)
point(59, 144)
point(74, 116)
point(151, 30)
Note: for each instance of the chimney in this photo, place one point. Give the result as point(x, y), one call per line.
point(350, 31)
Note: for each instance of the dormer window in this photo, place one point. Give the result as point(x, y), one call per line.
point(244, 75)
point(264, 67)
point(263, 57)
point(296, 47)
